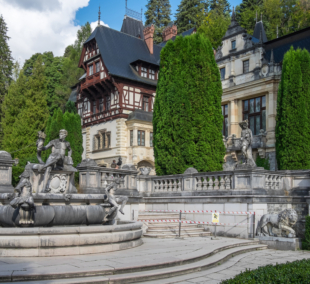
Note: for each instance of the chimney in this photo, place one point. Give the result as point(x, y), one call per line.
point(169, 32)
point(148, 37)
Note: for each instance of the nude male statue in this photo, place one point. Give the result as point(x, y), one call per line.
point(57, 157)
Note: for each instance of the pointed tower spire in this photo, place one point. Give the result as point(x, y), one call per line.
point(233, 16)
point(99, 13)
point(261, 17)
point(261, 36)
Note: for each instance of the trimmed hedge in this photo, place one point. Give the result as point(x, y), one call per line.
point(290, 272)
point(306, 240)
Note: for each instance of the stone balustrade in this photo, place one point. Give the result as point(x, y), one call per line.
point(273, 181)
point(210, 181)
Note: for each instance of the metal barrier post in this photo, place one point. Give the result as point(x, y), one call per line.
point(180, 218)
point(254, 225)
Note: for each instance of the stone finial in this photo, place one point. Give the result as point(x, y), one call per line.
point(5, 156)
point(170, 31)
point(149, 37)
point(191, 171)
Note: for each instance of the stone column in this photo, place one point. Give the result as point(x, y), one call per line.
point(271, 119)
point(232, 72)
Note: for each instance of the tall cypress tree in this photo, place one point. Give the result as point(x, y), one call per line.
point(74, 127)
point(190, 14)
point(158, 13)
point(187, 117)
point(32, 117)
point(293, 112)
point(6, 66)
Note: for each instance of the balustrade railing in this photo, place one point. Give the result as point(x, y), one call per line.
point(213, 182)
point(273, 181)
point(167, 184)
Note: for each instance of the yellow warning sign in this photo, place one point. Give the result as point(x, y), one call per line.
point(215, 217)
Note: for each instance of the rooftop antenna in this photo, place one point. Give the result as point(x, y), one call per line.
point(99, 13)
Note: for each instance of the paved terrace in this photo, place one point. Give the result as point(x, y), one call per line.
point(158, 252)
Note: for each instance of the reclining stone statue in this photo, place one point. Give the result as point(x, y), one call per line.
point(57, 158)
point(113, 201)
point(284, 221)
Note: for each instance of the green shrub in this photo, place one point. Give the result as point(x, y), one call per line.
point(263, 162)
point(290, 272)
point(19, 169)
point(306, 240)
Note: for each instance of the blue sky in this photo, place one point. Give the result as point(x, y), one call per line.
point(112, 12)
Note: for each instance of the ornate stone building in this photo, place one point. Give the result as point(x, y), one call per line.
point(116, 94)
point(250, 68)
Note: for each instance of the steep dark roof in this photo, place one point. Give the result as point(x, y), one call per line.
point(132, 27)
point(139, 114)
point(118, 50)
point(299, 39)
point(259, 27)
point(189, 32)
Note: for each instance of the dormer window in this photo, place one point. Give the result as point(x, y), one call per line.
point(137, 68)
point(152, 74)
point(90, 70)
point(233, 44)
point(143, 72)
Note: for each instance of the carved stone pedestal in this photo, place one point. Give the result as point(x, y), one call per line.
point(280, 243)
point(59, 181)
point(6, 164)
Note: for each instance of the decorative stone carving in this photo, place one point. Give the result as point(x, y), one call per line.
point(24, 199)
point(57, 159)
point(246, 147)
point(6, 164)
point(88, 163)
point(219, 53)
point(191, 171)
point(113, 201)
point(40, 144)
point(284, 221)
point(145, 171)
point(58, 183)
point(130, 167)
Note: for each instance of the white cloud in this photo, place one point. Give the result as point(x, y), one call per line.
point(95, 24)
point(40, 25)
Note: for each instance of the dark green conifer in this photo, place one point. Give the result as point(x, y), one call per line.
point(158, 13)
point(221, 6)
point(190, 14)
point(187, 117)
point(293, 120)
point(70, 107)
point(6, 66)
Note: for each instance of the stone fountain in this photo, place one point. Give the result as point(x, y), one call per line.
point(46, 216)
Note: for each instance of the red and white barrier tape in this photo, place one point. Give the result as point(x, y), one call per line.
point(193, 222)
point(202, 211)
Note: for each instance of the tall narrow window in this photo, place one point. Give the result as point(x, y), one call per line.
point(233, 44)
point(86, 106)
point(143, 72)
point(225, 121)
point(222, 71)
point(107, 103)
point(98, 142)
point(246, 66)
point(131, 137)
point(91, 69)
point(151, 139)
point(254, 110)
point(152, 74)
point(97, 66)
point(100, 105)
point(145, 106)
point(108, 140)
point(80, 109)
point(141, 138)
point(94, 107)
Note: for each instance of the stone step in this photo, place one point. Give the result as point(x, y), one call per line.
point(187, 230)
point(176, 234)
point(152, 273)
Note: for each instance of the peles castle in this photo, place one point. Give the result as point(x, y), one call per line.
point(116, 94)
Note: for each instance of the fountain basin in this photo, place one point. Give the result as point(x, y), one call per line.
point(69, 240)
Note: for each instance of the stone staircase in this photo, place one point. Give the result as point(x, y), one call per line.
point(157, 272)
point(171, 229)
